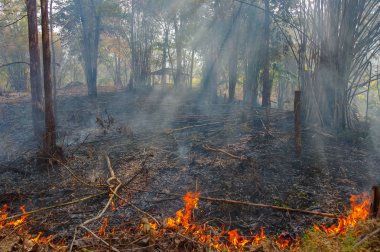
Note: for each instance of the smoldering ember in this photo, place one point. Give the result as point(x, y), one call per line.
point(189, 125)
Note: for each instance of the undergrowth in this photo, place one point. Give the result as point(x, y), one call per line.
point(317, 241)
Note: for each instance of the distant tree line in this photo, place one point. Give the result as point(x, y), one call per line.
point(259, 51)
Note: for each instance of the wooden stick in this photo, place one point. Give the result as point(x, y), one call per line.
point(114, 184)
point(54, 206)
point(193, 126)
point(285, 209)
point(206, 147)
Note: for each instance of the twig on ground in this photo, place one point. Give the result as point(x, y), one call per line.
point(114, 184)
point(192, 126)
point(54, 206)
point(267, 132)
point(80, 145)
point(138, 209)
point(206, 147)
point(278, 208)
point(188, 238)
point(139, 171)
point(76, 177)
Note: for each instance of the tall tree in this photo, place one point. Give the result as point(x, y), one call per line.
point(90, 19)
point(35, 69)
point(50, 133)
point(233, 59)
point(178, 26)
point(267, 85)
point(53, 55)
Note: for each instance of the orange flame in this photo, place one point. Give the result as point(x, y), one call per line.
point(42, 240)
point(183, 216)
point(206, 234)
point(359, 211)
point(103, 227)
point(15, 223)
point(284, 240)
point(113, 206)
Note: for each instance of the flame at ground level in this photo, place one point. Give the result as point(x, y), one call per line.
point(207, 234)
point(216, 238)
point(15, 223)
point(360, 206)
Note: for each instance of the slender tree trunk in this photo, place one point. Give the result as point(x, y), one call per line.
point(179, 50)
point(233, 59)
point(191, 69)
point(133, 74)
point(95, 51)
point(50, 133)
point(117, 80)
point(53, 58)
point(165, 47)
point(267, 85)
point(91, 21)
point(253, 81)
point(35, 70)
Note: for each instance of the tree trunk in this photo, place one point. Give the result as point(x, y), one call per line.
point(131, 83)
point(165, 47)
point(253, 81)
point(91, 20)
point(267, 85)
point(35, 70)
point(50, 133)
point(178, 45)
point(191, 69)
point(53, 58)
point(233, 59)
point(117, 80)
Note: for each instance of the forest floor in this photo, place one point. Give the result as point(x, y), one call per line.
point(163, 142)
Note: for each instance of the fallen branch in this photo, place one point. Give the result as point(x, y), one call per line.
point(267, 132)
point(54, 206)
point(114, 184)
point(227, 201)
point(142, 169)
point(138, 209)
point(285, 209)
point(193, 126)
point(206, 147)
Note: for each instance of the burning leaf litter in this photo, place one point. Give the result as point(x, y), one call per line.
point(359, 211)
point(214, 238)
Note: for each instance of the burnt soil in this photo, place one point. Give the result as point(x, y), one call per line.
point(159, 141)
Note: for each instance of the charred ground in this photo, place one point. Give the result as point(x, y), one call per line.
point(159, 142)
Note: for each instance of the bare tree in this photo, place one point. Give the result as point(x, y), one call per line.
point(35, 69)
point(49, 144)
point(266, 61)
point(90, 18)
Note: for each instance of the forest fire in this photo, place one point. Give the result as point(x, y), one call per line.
point(103, 227)
point(207, 234)
point(15, 223)
point(42, 240)
point(213, 237)
point(236, 242)
point(359, 211)
point(4, 212)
